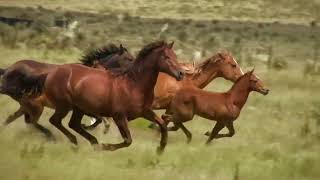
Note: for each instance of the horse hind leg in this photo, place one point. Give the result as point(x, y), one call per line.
point(75, 124)
point(107, 122)
point(14, 116)
point(33, 118)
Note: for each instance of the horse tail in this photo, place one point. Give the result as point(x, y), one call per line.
point(18, 84)
point(32, 85)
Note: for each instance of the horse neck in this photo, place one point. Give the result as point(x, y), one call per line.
point(205, 76)
point(145, 74)
point(112, 62)
point(239, 93)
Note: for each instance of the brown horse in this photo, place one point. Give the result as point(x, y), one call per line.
point(221, 64)
point(123, 96)
point(109, 56)
point(221, 107)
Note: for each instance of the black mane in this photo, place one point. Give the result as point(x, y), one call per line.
point(149, 48)
point(99, 54)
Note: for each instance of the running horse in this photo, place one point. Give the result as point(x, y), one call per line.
point(224, 108)
point(109, 56)
point(221, 64)
point(124, 96)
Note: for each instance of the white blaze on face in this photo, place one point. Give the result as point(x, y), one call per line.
point(237, 64)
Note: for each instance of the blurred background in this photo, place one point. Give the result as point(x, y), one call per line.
point(277, 136)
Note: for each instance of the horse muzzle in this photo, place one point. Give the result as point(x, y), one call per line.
point(264, 91)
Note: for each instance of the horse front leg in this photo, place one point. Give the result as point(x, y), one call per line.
point(231, 132)
point(185, 131)
point(122, 123)
point(219, 125)
point(151, 116)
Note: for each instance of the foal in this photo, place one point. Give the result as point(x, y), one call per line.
point(221, 107)
point(123, 96)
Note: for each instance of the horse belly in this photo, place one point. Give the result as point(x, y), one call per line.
point(92, 98)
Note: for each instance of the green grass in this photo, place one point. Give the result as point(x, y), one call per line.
point(277, 137)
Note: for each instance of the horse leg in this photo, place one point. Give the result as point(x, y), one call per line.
point(106, 122)
point(97, 121)
point(14, 116)
point(56, 119)
point(230, 127)
point(33, 121)
point(151, 116)
point(32, 113)
point(167, 118)
point(219, 125)
point(122, 124)
point(185, 131)
point(75, 124)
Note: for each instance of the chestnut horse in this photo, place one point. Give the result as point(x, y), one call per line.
point(221, 107)
point(221, 64)
point(123, 96)
point(109, 56)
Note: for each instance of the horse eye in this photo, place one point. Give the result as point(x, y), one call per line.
point(233, 65)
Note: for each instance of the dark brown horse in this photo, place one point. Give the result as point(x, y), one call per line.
point(109, 56)
point(221, 107)
point(123, 96)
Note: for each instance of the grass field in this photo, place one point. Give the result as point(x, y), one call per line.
point(277, 136)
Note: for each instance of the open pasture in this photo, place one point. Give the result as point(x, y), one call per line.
point(277, 136)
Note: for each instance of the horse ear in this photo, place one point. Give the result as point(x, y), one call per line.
point(171, 45)
point(252, 71)
point(221, 56)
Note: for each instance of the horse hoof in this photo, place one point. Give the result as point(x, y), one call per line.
point(207, 133)
point(108, 147)
point(85, 127)
point(208, 143)
point(52, 139)
point(74, 148)
point(97, 147)
point(160, 150)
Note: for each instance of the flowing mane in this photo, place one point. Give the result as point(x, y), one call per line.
point(199, 67)
point(99, 54)
point(147, 49)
